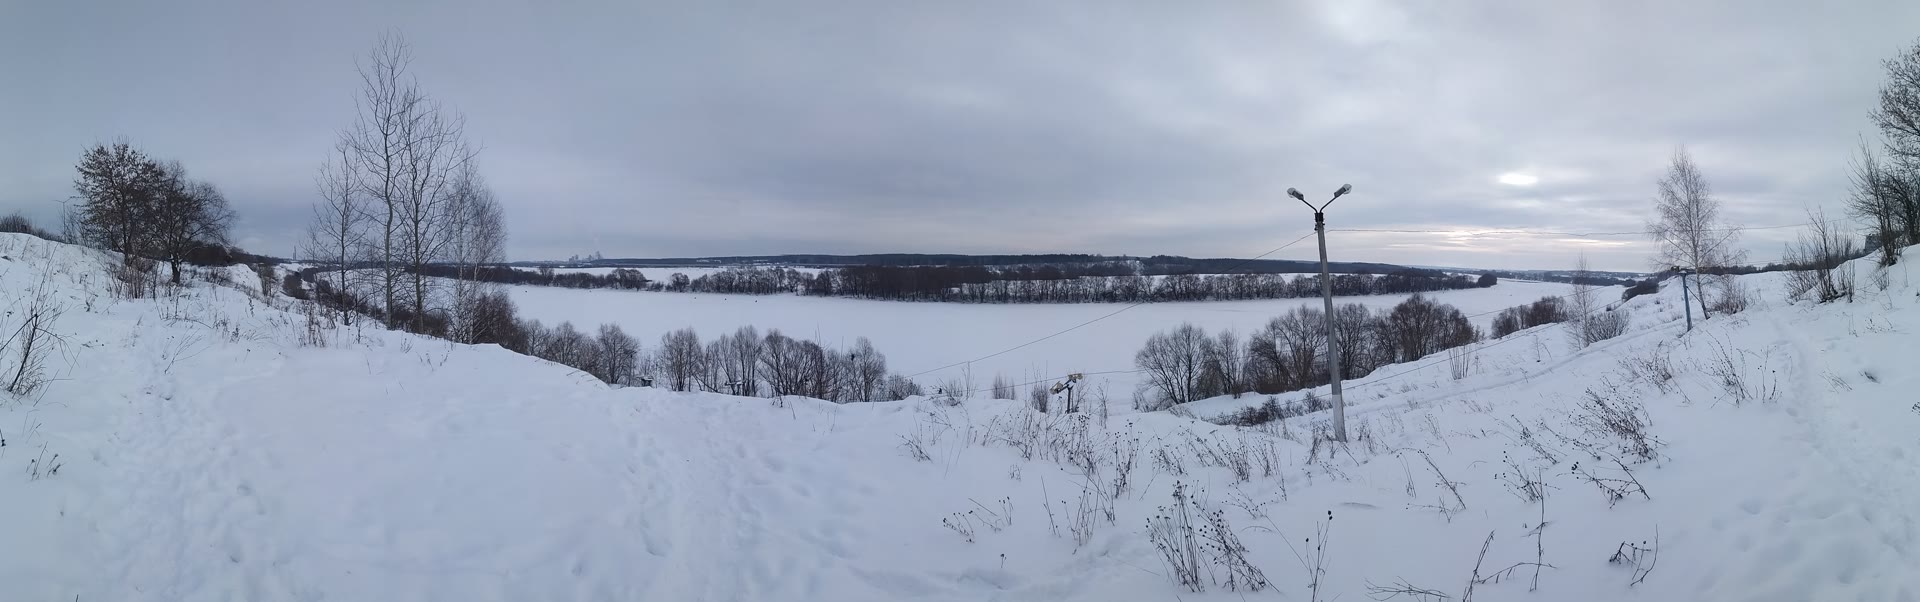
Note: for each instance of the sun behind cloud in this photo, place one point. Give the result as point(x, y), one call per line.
point(1514, 178)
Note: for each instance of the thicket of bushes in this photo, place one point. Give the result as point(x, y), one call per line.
point(1290, 352)
point(19, 224)
point(1548, 310)
point(744, 362)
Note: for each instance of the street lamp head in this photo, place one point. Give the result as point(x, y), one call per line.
point(1295, 193)
point(1344, 188)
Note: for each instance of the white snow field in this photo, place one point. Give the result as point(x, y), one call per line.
point(918, 337)
point(208, 453)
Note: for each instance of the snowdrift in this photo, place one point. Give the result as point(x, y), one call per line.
point(209, 449)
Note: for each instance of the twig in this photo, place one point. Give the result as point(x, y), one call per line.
point(1475, 579)
point(1402, 588)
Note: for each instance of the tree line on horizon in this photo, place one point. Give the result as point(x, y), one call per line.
point(1097, 283)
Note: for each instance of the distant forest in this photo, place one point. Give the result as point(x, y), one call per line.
point(1154, 265)
point(1109, 282)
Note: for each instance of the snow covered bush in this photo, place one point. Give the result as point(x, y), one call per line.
point(1821, 259)
point(133, 278)
point(1003, 388)
point(1193, 539)
point(1654, 368)
point(30, 342)
point(1038, 397)
point(1514, 319)
point(1174, 534)
point(20, 224)
point(1608, 324)
point(1611, 413)
point(1734, 297)
point(1741, 374)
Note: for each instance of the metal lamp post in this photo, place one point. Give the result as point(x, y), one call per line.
point(1326, 295)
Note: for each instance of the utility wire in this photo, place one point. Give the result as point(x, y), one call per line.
point(1236, 267)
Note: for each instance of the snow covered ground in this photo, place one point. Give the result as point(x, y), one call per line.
point(918, 337)
point(207, 453)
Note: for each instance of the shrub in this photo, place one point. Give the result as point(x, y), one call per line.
point(292, 286)
point(1002, 388)
point(17, 223)
point(1547, 310)
point(1608, 414)
point(1820, 257)
point(1644, 287)
point(1605, 325)
point(1508, 322)
point(133, 278)
point(265, 272)
point(1734, 296)
point(1264, 413)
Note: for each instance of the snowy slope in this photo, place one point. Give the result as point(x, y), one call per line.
point(210, 455)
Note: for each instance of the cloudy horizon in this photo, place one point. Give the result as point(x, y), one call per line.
point(665, 129)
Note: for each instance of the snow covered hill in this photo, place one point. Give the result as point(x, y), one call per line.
point(209, 449)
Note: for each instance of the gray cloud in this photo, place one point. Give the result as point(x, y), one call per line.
point(663, 128)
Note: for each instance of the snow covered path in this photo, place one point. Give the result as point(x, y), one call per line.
point(1857, 529)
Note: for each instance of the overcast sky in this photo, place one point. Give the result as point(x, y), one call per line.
point(708, 128)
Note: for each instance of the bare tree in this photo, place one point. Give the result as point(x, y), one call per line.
point(376, 141)
point(1352, 322)
point(493, 319)
point(899, 387)
point(476, 239)
point(1875, 199)
point(869, 370)
point(744, 352)
point(1285, 351)
point(1591, 320)
point(1898, 115)
point(1690, 229)
point(428, 212)
point(1582, 303)
point(565, 345)
point(783, 363)
point(1227, 363)
point(617, 355)
point(714, 372)
point(187, 215)
point(1415, 327)
point(1819, 259)
point(1174, 363)
point(405, 152)
point(337, 234)
point(820, 376)
point(679, 358)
